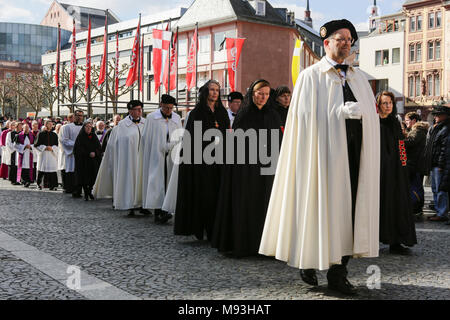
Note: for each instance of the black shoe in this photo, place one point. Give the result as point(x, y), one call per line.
point(27, 185)
point(163, 217)
point(309, 276)
point(91, 196)
point(16, 183)
point(53, 189)
point(431, 207)
point(131, 213)
point(399, 249)
point(76, 195)
point(343, 286)
point(40, 187)
point(145, 212)
point(86, 197)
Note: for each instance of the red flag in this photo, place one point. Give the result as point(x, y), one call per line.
point(73, 61)
point(88, 58)
point(58, 57)
point(191, 63)
point(234, 48)
point(161, 46)
point(132, 74)
point(117, 66)
point(141, 66)
point(102, 76)
point(173, 65)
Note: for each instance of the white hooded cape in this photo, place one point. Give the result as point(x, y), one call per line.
point(309, 219)
point(119, 173)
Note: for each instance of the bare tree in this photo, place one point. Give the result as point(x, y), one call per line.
point(5, 94)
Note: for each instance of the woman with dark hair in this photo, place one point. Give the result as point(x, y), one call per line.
point(198, 181)
point(396, 218)
point(282, 99)
point(246, 187)
point(87, 151)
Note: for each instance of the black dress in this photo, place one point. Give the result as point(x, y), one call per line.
point(198, 184)
point(86, 168)
point(396, 218)
point(245, 192)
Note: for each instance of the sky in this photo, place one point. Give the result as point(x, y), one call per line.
point(357, 11)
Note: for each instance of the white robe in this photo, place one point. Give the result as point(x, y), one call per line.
point(69, 135)
point(10, 148)
point(155, 147)
point(231, 117)
point(61, 155)
point(309, 218)
point(170, 200)
point(6, 154)
point(20, 148)
point(47, 160)
point(119, 173)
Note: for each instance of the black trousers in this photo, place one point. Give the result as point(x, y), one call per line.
point(69, 182)
point(52, 178)
point(25, 177)
point(12, 174)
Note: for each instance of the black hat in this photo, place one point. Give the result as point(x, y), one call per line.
point(440, 109)
point(235, 95)
point(134, 103)
point(167, 99)
point(331, 27)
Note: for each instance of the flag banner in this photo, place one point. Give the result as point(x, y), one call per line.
point(234, 49)
point(141, 66)
point(296, 60)
point(161, 46)
point(192, 63)
point(133, 73)
point(88, 58)
point(73, 60)
point(173, 64)
point(102, 76)
point(117, 66)
point(58, 57)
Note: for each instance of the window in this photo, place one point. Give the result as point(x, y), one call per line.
point(412, 25)
point(411, 53)
point(429, 85)
point(417, 86)
point(149, 88)
point(182, 47)
point(438, 19)
point(419, 23)
point(437, 53)
point(396, 55)
point(385, 57)
point(149, 58)
point(419, 52)
point(378, 61)
point(204, 44)
point(437, 85)
point(430, 50)
point(411, 86)
point(431, 20)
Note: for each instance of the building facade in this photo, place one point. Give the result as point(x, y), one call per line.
point(267, 51)
point(382, 56)
point(427, 56)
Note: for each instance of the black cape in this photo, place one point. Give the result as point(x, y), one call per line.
point(45, 138)
point(106, 139)
point(86, 168)
point(396, 217)
point(245, 193)
point(198, 184)
point(282, 112)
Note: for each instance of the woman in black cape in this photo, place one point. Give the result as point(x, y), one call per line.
point(396, 218)
point(246, 188)
point(198, 183)
point(87, 151)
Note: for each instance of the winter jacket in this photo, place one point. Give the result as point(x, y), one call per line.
point(445, 181)
point(436, 145)
point(415, 145)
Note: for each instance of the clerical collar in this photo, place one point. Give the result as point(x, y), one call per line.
point(234, 114)
point(135, 121)
point(78, 124)
point(165, 116)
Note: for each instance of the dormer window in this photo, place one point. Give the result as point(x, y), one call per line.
point(259, 6)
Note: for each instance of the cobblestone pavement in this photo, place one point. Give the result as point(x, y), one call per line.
point(147, 261)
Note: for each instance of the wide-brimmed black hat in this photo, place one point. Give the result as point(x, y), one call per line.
point(134, 103)
point(440, 109)
point(235, 95)
point(168, 99)
point(331, 27)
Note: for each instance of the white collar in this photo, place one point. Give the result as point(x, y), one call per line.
point(333, 63)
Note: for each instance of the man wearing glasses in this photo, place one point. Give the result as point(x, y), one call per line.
point(118, 176)
point(324, 206)
point(157, 144)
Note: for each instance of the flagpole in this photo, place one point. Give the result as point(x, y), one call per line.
point(177, 71)
point(170, 58)
point(196, 64)
point(139, 61)
point(89, 87)
point(106, 65)
point(73, 87)
point(58, 59)
point(141, 77)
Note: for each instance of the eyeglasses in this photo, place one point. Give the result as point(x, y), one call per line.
point(350, 40)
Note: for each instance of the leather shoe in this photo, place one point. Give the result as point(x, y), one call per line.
point(131, 213)
point(145, 212)
point(399, 249)
point(438, 219)
point(163, 217)
point(309, 276)
point(343, 286)
point(76, 195)
point(91, 196)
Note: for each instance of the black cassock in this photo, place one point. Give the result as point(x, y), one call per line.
point(396, 218)
point(47, 139)
point(12, 175)
point(198, 184)
point(245, 192)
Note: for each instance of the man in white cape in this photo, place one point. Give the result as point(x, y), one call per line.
point(157, 161)
point(324, 206)
point(119, 173)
